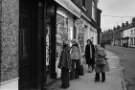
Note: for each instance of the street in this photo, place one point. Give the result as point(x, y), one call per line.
point(127, 60)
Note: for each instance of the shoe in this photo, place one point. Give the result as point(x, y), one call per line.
point(103, 80)
point(65, 87)
point(89, 71)
point(96, 80)
point(77, 77)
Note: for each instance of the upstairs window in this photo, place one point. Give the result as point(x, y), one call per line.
point(131, 32)
point(93, 10)
point(83, 3)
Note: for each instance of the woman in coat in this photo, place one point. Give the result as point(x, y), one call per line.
point(100, 63)
point(90, 55)
point(65, 65)
point(75, 56)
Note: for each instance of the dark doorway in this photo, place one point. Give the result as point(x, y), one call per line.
point(51, 35)
point(31, 44)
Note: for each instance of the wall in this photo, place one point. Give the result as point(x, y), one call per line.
point(9, 39)
point(126, 33)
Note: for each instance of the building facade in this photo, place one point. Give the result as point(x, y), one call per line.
point(32, 37)
point(129, 36)
point(89, 27)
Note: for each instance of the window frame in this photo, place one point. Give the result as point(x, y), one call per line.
point(93, 11)
point(84, 3)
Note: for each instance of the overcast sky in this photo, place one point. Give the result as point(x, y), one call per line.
point(115, 12)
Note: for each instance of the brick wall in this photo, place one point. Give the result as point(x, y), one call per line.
point(89, 8)
point(88, 5)
point(9, 39)
point(78, 3)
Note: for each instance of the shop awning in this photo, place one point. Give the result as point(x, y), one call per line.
point(70, 6)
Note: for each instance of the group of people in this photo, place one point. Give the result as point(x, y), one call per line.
point(71, 66)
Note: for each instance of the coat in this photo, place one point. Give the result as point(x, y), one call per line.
point(75, 53)
point(101, 64)
point(90, 60)
point(65, 61)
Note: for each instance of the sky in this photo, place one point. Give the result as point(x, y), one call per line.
point(114, 12)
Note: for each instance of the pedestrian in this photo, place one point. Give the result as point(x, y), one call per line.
point(65, 65)
point(90, 55)
point(75, 56)
point(100, 63)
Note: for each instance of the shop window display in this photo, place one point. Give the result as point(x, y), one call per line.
point(47, 44)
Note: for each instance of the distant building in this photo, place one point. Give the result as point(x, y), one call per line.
point(123, 35)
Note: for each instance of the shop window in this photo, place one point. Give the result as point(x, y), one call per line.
point(47, 44)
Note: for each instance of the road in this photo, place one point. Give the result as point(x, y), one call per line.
point(127, 60)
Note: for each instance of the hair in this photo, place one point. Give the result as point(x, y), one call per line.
point(75, 45)
point(88, 40)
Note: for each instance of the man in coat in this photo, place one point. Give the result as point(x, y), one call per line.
point(90, 55)
point(65, 65)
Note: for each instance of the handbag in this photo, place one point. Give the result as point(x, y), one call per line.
point(80, 70)
point(107, 68)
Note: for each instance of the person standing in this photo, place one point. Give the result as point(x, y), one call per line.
point(65, 65)
point(75, 55)
point(89, 55)
point(100, 64)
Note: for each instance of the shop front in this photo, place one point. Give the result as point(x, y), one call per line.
point(60, 28)
point(85, 31)
point(64, 32)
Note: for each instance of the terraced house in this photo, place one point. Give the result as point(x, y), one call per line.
point(32, 33)
point(123, 35)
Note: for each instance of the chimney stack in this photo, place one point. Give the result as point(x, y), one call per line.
point(127, 23)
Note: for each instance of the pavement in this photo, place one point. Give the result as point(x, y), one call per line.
point(10, 85)
point(114, 79)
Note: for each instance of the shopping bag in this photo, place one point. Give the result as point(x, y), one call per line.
point(107, 68)
point(72, 74)
point(80, 70)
